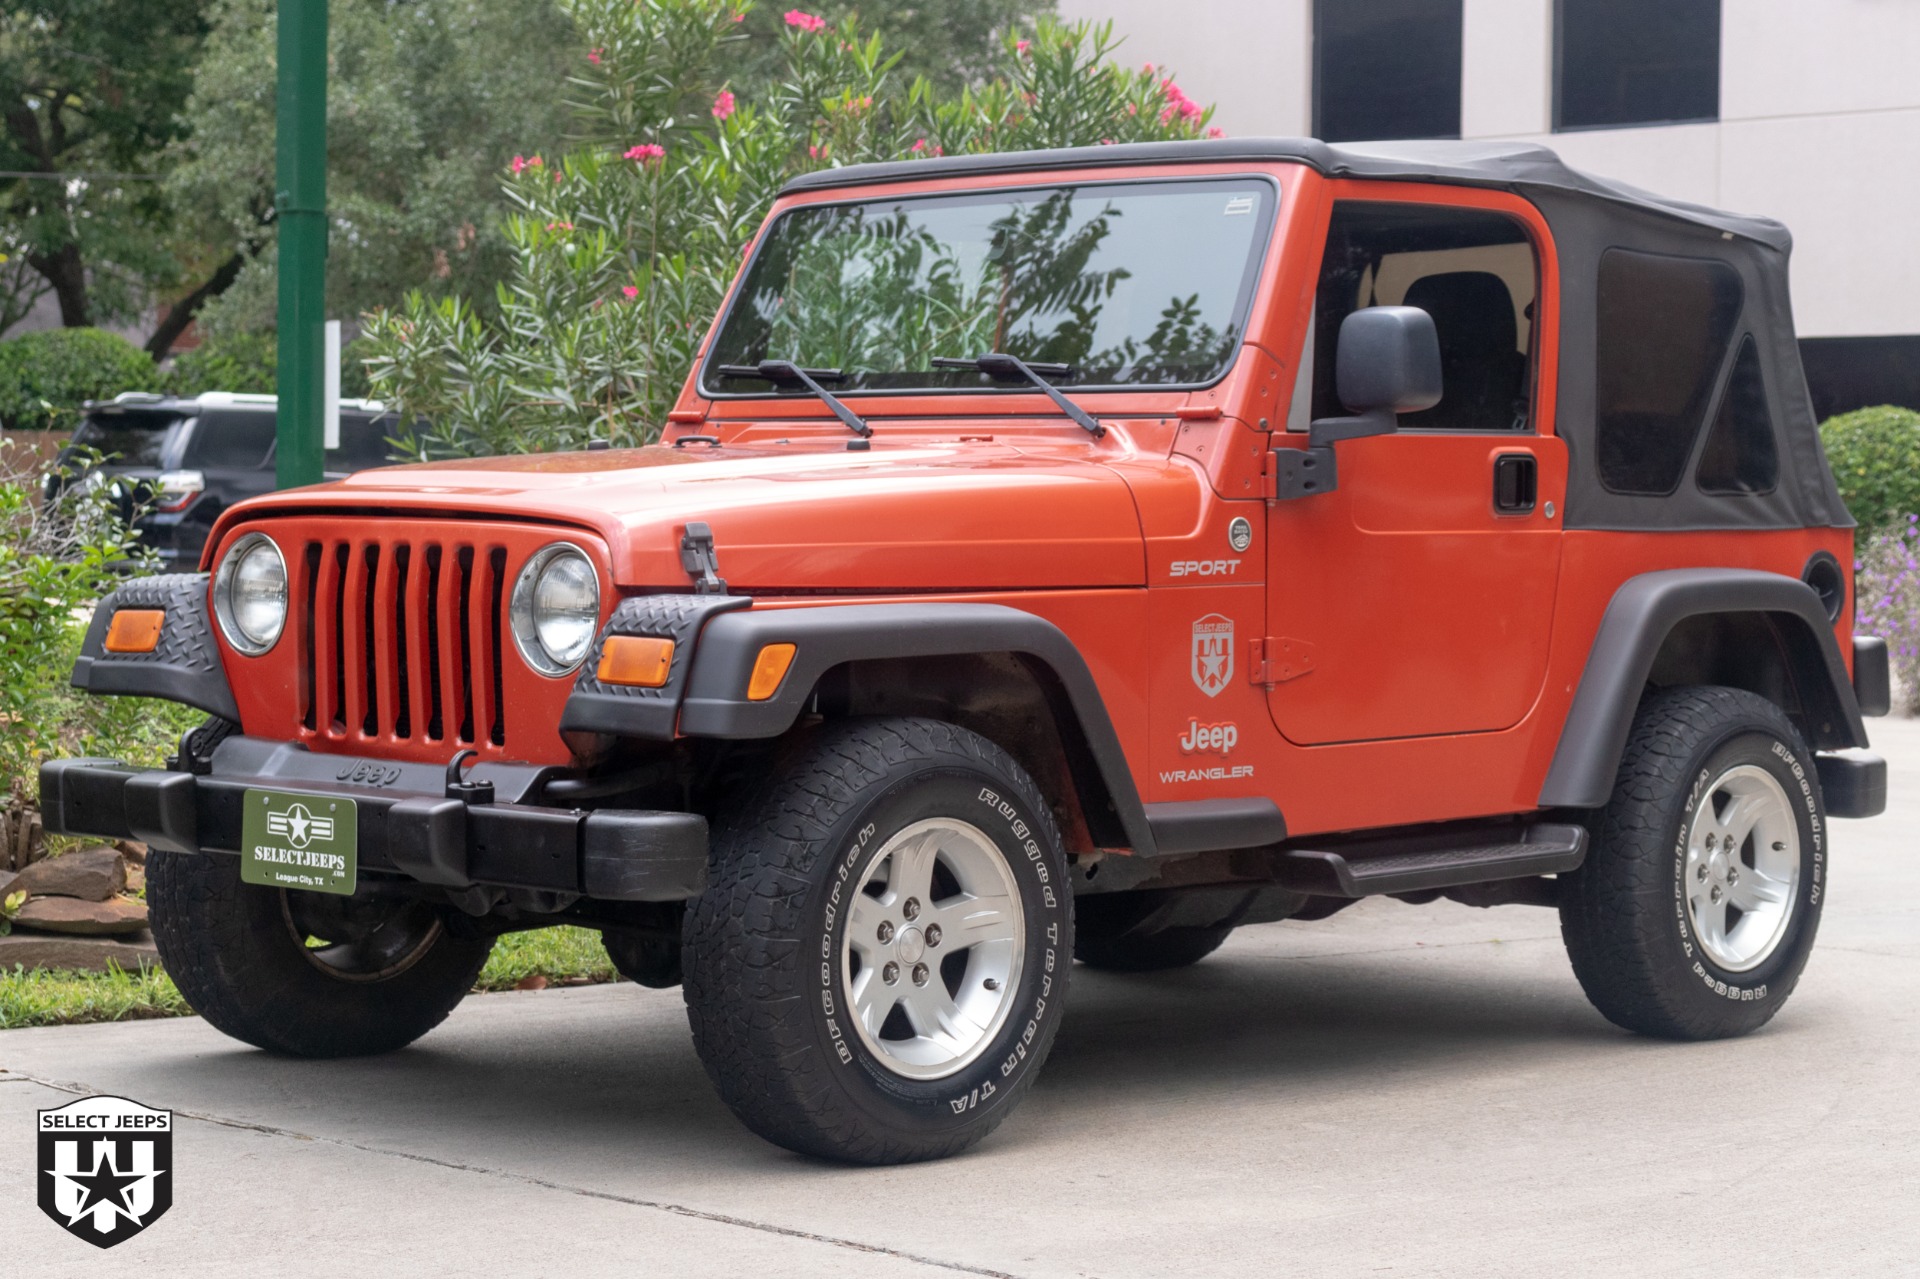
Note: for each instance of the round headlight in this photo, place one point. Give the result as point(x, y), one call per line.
point(250, 594)
point(556, 609)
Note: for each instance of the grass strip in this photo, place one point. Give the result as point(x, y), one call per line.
point(39, 997)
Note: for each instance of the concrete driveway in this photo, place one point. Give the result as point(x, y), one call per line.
point(1398, 1090)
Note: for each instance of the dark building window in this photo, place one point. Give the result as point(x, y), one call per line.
point(1664, 325)
point(1623, 62)
point(1844, 374)
point(1386, 69)
point(1739, 456)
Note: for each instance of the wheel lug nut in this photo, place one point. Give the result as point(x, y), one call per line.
point(912, 908)
point(886, 931)
point(933, 934)
point(1709, 843)
point(1733, 874)
point(919, 974)
point(890, 974)
point(1715, 895)
point(1699, 872)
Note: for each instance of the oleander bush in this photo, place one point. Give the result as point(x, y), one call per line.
point(1875, 456)
point(624, 245)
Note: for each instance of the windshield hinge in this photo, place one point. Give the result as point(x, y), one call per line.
point(697, 556)
point(1275, 661)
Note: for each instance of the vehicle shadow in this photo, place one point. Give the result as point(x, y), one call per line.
point(604, 1082)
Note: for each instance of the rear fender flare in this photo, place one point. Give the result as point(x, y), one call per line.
point(1643, 613)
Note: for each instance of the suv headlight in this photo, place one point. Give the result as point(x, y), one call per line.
point(556, 608)
point(250, 594)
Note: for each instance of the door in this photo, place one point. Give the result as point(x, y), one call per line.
point(1416, 598)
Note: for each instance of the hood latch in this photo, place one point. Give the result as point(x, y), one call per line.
point(698, 558)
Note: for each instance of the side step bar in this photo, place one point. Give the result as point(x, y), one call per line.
point(1368, 868)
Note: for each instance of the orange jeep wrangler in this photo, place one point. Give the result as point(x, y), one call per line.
point(1053, 556)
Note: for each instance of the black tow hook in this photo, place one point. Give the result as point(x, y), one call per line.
point(459, 787)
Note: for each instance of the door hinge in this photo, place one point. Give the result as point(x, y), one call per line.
point(1294, 473)
point(1275, 661)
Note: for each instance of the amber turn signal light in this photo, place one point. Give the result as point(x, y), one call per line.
point(768, 670)
point(135, 630)
point(639, 661)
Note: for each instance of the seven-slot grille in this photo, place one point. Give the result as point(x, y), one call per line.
point(403, 639)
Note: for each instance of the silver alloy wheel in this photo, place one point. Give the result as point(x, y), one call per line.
point(933, 948)
point(1743, 868)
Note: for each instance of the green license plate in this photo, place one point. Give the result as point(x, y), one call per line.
point(307, 842)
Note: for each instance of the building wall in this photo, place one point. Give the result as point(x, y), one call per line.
point(1819, 121)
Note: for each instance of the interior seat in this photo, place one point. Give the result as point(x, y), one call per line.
point(1482, 371)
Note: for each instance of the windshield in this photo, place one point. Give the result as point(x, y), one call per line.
point(128, 439)
point(1129, 284)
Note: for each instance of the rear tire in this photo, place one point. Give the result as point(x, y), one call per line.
point(1695, 911)
point(240, 955)
point(875, 970)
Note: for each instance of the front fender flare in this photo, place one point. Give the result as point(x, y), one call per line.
point(716, 704)
point(1637, 622)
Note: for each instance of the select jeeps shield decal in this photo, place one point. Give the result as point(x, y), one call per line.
point(106, 1167)
point(1212, 653)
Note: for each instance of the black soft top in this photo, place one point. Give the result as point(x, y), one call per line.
point(1509, 166)
point(1589, 217)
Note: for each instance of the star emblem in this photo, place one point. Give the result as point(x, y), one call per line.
point(106, 1184)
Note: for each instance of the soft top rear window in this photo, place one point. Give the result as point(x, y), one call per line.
point(129, 438)
point(1129, 284)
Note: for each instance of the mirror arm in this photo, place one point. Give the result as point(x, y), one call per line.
point(1328, 430)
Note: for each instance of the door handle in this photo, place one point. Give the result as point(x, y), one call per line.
point(1516, 483)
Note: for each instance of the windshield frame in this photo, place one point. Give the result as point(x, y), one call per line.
point(706, 381)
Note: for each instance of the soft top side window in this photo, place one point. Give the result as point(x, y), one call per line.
point(1664, 326)
point(1739, 456)
point(1472, 270)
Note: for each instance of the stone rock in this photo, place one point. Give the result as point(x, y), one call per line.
point(71, 915)
point(91, 874)
point(135, 851)
point(90, 954)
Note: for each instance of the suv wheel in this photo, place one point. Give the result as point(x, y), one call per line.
point(1694, 913)
point(305, 974)
point(874, 972)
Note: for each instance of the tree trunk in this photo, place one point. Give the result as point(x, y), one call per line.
point(181, 314)
point(64, 270)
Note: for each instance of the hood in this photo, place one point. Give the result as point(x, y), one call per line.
point(937, 517)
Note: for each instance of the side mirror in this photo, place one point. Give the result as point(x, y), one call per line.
point(1387, 363)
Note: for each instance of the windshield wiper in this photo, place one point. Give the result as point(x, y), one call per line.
point(998, 364)
point(787, 373)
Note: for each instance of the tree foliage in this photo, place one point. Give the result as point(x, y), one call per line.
point(92, 90)
point(624, 245)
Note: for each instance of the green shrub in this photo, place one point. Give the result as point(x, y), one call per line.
point(1875, 456)
point(238, 362)
point(56, 559)
point(45, 377)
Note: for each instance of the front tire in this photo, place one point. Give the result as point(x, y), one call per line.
point(1694, 913)
point(875, 970)
point(304, 974)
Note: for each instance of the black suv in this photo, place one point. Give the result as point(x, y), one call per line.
point(190, 459)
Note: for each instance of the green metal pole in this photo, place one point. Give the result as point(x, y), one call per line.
point(300, 138)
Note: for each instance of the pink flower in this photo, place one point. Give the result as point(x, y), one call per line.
point(739, 17)
point(816, 152)
point(593, 56)
point(1191, 110)
point(919, 145)
point(630, 292)
point(1133, 108)
point(1021, 46)
point(723, 104)
point(1216, 132)
point(559, 226)
point(805, 21)
point(1147, 67)
point(521, 163)
point(645, 153)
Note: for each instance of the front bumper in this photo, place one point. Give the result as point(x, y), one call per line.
point(407, 825)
